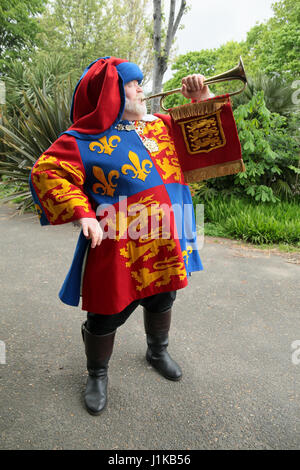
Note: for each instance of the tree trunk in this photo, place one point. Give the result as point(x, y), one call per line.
point(162, 52)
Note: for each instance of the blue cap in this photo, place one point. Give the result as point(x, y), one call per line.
point(129, 71)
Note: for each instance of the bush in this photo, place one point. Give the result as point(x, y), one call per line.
point(26, 135)
point(270, 152)
point(256, 223)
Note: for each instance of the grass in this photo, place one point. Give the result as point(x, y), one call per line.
point(260, 224)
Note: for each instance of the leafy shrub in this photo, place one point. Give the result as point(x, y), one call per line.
point(27, 134)
point(270, 152)
point(259, 223)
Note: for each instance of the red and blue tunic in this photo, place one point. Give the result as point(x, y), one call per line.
point(131, 180)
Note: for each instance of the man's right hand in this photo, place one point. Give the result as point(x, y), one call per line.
point(92, 230)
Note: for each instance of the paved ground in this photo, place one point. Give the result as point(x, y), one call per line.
point(232, 333)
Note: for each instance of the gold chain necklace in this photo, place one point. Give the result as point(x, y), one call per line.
point(150, 144)
point(139, 126)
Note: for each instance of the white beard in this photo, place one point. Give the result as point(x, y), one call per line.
point(134, 106)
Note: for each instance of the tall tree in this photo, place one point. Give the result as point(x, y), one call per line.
point(274, 47)
point(18, 28)
point(76, 28)
point(132, 32)
point(162, 43)
point(84, 30)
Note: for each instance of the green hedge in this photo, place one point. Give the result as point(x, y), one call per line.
point(259, 223)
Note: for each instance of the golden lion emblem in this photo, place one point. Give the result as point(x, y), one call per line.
point(164, 270)
point(134, 251)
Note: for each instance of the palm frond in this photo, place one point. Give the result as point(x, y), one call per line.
point(30, 130)
point(277, 93)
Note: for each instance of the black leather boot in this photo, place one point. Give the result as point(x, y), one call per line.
point(98, 349)
point(157, 326)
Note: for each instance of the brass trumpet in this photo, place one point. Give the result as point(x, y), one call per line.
point(237, 73)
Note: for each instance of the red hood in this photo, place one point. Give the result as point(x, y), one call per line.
point(98, 100)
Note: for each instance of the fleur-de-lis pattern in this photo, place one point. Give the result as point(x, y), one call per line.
point(105, 146)
point(186, 253)
point(138, 168)
point(107, 186)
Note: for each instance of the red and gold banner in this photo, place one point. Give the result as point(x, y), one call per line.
point(206, 139)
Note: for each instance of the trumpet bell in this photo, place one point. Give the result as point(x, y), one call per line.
point(236, 73)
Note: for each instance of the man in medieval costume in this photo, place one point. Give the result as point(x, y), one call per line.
point(112, 171)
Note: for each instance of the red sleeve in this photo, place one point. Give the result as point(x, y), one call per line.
point(166, 118)
point(58, 177)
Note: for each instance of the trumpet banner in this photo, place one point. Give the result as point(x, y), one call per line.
point(206, 139)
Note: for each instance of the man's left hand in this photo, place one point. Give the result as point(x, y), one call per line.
point(194, 88)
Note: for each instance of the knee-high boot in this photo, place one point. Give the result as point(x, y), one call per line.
point(98, 349)
point(157, 327)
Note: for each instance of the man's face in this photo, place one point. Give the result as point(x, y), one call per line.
point(135, 108)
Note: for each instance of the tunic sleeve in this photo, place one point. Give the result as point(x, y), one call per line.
point(57, 184)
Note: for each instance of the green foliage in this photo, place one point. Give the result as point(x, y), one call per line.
point(29, 132)
point(208, 63)
point(269, 152)
point(18, 28)
point(44, 74)
point(275, 45)
point(278, 94)
point(83, 31)
point(193, 62)
point(256, 223)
